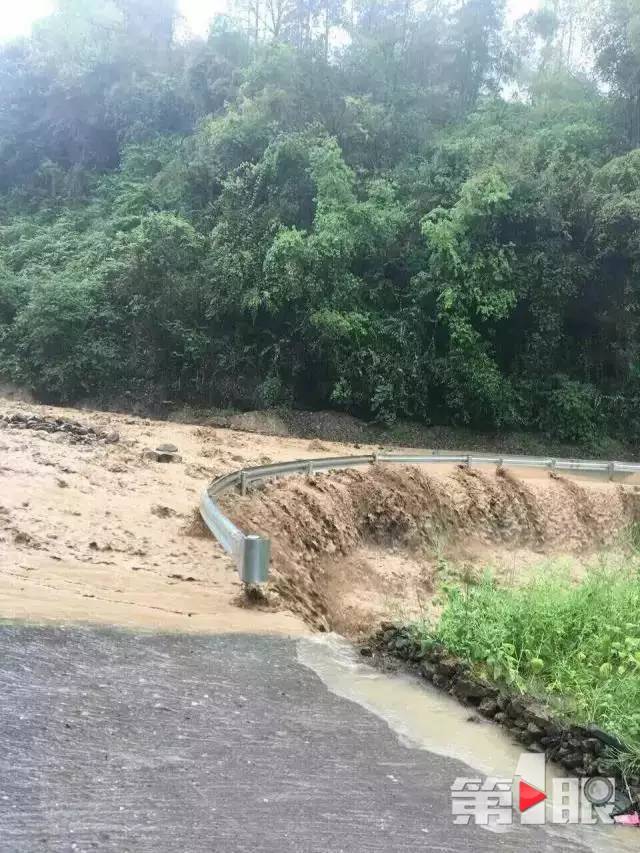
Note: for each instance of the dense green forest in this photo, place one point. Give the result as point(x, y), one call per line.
point(396, 209)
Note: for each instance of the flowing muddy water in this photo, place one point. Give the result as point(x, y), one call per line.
point(352, 549)
point(425, 718)
point(97, 532)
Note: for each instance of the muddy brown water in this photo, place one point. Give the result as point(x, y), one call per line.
point(354, 548)
point(97, 533)
point(425, 718)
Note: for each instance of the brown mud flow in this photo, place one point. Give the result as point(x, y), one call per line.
point(92, 530)
point(354, 547)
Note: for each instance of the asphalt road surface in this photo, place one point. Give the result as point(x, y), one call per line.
point(120, 742)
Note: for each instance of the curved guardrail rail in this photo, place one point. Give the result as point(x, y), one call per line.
point(252, 553)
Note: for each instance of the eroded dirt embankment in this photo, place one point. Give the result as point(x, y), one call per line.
point(353, 547)
point(93, 530)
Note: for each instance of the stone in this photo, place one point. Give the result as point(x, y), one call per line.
point(573, 760)
point(448, 666)
point(489, 707)
point(162, 511)
point(161, 456)
point(593, 745)
point(503, 701)
point(73, 429)
point(539, 716)
point(517, 707)
point(167, 448)
point(440, 681)
point(428, 670)
point(437, 652)
point(607, 739)
point(523, 736)
point(471, 690)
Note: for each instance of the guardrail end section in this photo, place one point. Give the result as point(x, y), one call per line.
point(254, 565)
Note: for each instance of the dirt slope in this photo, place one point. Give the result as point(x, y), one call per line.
point(92, 531)
point(358, 546)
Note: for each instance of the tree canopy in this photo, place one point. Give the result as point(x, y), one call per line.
point(391, 208)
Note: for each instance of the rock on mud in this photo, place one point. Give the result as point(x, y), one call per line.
point(167, 448)
point(162, 453)
point(79, 433)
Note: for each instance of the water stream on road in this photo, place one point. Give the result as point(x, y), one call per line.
point(426, 718)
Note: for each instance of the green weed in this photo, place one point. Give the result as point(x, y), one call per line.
point(576, 646)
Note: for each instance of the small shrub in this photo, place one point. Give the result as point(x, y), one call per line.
point(572, 411)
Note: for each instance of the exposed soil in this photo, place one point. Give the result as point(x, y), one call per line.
point(92, 530)
point(347, 429)
point(357, 547)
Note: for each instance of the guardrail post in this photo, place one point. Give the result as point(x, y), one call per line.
point(243, 483)
point(310, 469)
point(468, 462)
point(255, 560)
point(611, 467)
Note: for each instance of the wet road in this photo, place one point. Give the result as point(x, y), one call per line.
point(114, 741)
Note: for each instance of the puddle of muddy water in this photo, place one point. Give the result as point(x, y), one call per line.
point(425, 718)
point(420, 715)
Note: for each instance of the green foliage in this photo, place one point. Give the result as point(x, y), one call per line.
point(573, 412)
point(262, 218)
point(575, 645)
point(58, 350)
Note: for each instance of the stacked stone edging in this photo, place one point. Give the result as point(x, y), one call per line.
point(582, 750)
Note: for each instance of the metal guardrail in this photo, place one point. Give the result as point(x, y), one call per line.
point(252, 553)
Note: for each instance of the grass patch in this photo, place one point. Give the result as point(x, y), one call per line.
point(576, 646)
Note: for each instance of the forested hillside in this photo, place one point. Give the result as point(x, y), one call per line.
point(390, 208)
